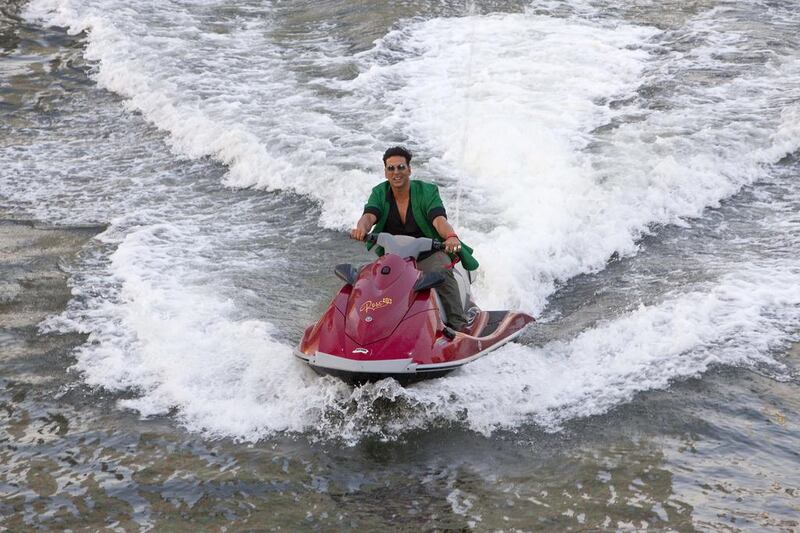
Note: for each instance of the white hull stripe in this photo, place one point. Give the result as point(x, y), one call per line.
point(392, 366)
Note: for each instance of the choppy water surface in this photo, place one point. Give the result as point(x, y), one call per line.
point(627, 172)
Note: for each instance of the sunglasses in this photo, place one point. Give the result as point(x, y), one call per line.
point(400, 167)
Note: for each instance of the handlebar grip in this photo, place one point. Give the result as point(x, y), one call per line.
point(437, 245)
point(371, 238)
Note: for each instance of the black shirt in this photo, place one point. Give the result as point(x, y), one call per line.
point(394, 224)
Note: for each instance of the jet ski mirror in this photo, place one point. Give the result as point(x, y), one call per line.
point(429, 280)
point(346, 272)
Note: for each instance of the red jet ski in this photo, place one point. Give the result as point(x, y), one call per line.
point(387, 321)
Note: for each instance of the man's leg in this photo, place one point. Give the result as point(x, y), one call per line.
point(448, 291)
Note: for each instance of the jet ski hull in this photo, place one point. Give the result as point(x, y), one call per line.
point(492, 330)
point(387, 322)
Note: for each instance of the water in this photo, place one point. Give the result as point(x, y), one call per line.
point(626, 173)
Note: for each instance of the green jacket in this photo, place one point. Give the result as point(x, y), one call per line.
point(424, 197)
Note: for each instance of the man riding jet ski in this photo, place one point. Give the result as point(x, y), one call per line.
point(388, 321)
point(401, 206)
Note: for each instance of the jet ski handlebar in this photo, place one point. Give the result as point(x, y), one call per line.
point(383, 239)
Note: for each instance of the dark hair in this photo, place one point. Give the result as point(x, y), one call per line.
point(397, 150)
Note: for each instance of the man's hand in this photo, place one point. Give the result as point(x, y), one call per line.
point(452, 245)
point(363, 226)
point(358, 234)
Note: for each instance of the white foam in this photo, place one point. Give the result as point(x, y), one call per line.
point(505, 103)
point(738, 321)
point(505, 107)
point(183, 346)
point(228, 377)
point(223, 95)
point(508, 105)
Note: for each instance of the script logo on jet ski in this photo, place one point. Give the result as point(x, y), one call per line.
point(360, 350)
point(369, 305)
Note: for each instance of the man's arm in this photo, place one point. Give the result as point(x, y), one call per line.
point(363, 226)
point(443, 228)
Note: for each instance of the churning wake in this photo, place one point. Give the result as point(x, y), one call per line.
point(558, 142)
